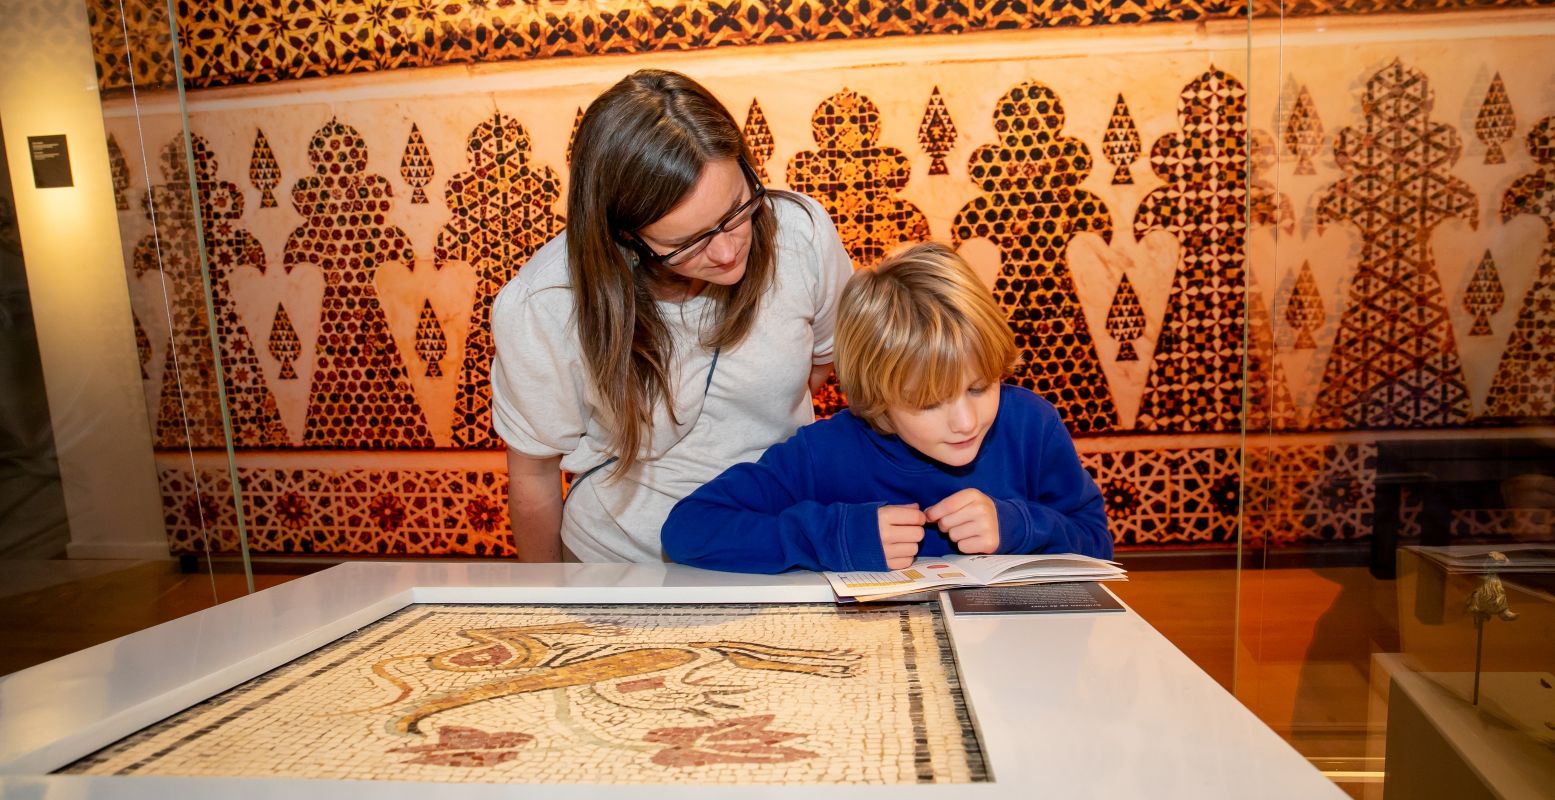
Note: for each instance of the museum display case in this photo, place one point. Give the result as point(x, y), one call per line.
point(1284, 268)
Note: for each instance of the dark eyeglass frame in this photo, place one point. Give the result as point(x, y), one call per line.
point(697, 244)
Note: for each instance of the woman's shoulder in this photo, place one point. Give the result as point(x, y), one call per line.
point(542, 285)
point(800, 219)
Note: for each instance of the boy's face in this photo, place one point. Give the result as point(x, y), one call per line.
point(951, 432)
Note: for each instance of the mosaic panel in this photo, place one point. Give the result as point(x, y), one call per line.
point(226, 44)
point(1177, 497)
point(360, 396)
point(189, 411)
point(1395, 362)
point(1196, 381)
point(856, 179)
point(301, 511)
point(1524, 387)
point(502, 211)
point(1031, 207)
point(1309, 493)
point(708, 694)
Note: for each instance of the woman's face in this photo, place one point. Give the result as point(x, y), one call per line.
point(720, 192)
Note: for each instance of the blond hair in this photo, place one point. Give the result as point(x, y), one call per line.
point(911, 331)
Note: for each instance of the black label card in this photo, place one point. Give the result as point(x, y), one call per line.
point(50, 161)
point(1035, 598)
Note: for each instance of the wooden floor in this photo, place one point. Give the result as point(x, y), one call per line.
point(1293, 644)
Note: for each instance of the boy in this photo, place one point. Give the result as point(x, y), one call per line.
point(934, 456)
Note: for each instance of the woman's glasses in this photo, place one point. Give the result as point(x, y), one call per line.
point(694, 247)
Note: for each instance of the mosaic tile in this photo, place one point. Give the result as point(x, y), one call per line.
point(284, 344)
point(1121, 143)
point(189, 412)
point(271, 40)
point(1304, 310)
point(856, 179)
point(1030, 207)
point(758, 140)
point(360, 396)
point(1495, 122)
point(1125, 320)
point(416, 166)
point(431, 343)
point(1395, 362)
point(1484, 296)
point(1524, 385)
point(263, 171)
point(501, 213)
point(937, 133)
point(119, 172)
point(1195, 383)
point(699, 694)
point(1303, 132)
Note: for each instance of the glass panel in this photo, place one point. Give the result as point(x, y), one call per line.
point(91, 302)
point(1400, 242)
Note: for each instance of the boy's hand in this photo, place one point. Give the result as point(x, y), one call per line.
point(969, 518)
point(901, 529)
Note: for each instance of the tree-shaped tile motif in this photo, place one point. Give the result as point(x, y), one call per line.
point(1484, 296)
point(1304, 308)
point(1266, 204)
point(1524, 386)
point(285, 346)
point(1195, 382)
point(1495, 122)
point(1031, 206)
point(431, 344)
point(142, 346)
point(416, 166)
point(119, 170)
point(501, 214)
point(1268, 403)
point(263, 171)
point(1303, 132)
point(856, 179)
point(1121, 143)
point(937, 133)
point(1394, 362)
point(1125, 320)
point(189, 412)
point(758, 139)
point(359, 397)
point(572, 137)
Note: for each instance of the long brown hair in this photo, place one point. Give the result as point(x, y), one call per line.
point(639, 150)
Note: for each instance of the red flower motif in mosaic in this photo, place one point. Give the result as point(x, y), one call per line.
point(467, 747)
point(745, 740)
point(484, 515)
point(293, 511)
point(387, 511)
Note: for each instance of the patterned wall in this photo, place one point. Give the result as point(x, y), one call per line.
point(352, 319)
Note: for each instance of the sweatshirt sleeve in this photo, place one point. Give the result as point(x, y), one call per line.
point(759, 517)
point(1066, 513)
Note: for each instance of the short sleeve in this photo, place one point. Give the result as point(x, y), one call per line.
point(832, 267)
point(538, 403)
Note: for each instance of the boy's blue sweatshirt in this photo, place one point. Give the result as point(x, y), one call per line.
point(810, 502)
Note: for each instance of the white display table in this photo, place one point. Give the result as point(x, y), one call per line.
point(1071, 705)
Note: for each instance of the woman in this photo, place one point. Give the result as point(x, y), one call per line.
point(677, 326)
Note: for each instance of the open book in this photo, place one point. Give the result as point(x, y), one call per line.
point(945, 572)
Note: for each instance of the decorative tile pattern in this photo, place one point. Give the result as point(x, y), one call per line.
point(431, 344)
point(1176, 497)
point(1196, 383)
point(1395, 363)
point(1495, 122)
point(142, 346)
point(501, 214)
point(758, 139)
point(1303, 132)
point(1031, 206)
point(1125, 320)
point(1484, 296)
point(416, 166)
point(271, 40)
point(937, 133)
point(855, 178)
point(1309, 493)
point(1121, 143)
point(1268, 404)
point(699, 694)
point(285, 347)
point(119, 171)
point(1304, 310)
point(360, 397)
point(263, 171)
point(1524, 386)
point(189, 413)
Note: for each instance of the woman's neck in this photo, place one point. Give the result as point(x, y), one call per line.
point(676, 289)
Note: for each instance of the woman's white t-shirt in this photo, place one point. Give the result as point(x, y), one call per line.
point(543, 405)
